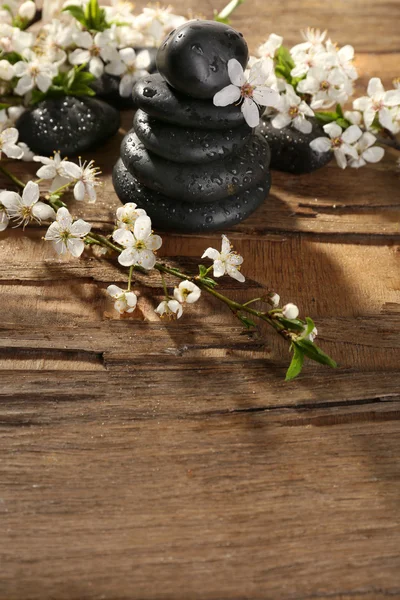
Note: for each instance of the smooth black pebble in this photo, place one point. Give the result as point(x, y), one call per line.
point(194, 57)
point(70, 125)
point(188, 145)
point(290, 149)
point(155, 97)
point(171, 215)
point(198, 183)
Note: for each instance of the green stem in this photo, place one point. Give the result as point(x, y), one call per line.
point(13, 178)
point(62, 188)
point(130, 277)
point(105, 242)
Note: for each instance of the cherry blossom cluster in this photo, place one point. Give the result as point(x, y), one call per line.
point(294, 87)
point(101, 41)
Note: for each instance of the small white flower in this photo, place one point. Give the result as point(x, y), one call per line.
point(4, 218)
point(339, 142)
point(274, 299)
point(376, 101)
point(26, 208)
point(306, 58)
point(53, 168)
point(155, 22)
point(125, 300)
point(343, 58)
point(390, 119)
point(139, 245)
point(326, 87)
point(27, 10)
point(172, 309)
point(225, 261)
point(313, 37)
point(311, 336)
point(131, 67)
point(187, 291)
point(127, 215)
point(66, 235)
point(6, 70)
point(269, 48)
point(293, 111)
point(34, 71)
point(366, 153)
point(84, 176)
point(290, 311)
point(93, 51)
point(252, 92)
point(8, 143)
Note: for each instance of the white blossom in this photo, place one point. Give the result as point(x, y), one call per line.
point(290, 311)
point(67, 235)
point(252, 92)
point(27, 10)
point(125, 300)
point(127, 215)
point(294, 111)
point(4, 218)
point(14, 39)
point(34, 71)
point(339, 142)
point(85, 178)
point(326, 87)
point(226, 261)
point(310, 336)
point(172, 309)
point(6, 70)
point(8, 143)
point(53, 168)
point(312, 57)
point(269, 48)
point(130, 67)
point(27, 207)
point(93, 50)
point(155, 22)
point(187, 291)
point(376, 102)
point(27, 155)
point(139, 245)
point(367, 152)
point(390, 119)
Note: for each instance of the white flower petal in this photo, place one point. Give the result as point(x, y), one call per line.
point(351, 134)
point(31, 193)
point(373, 155)
point(235, 273)
point(211, 253)
point(228, 95)
point(321, 144)
point(340, 158)
point(302, 125)
point(123, 237)
point(43, 82)
point(80, 228)
point(127, 258)
point(281, 120)
point(47, 171)
point(43, 211)
point(265, 96)
point(235, 72)
point(53, 232)
point(142, 228)
point(114, 291)
point(250, 112)
point(146, 259)
point(64, 218)
point(375, 87)
point(75, 246)
point(333, 130)
point(219, 268)
point(79, 190)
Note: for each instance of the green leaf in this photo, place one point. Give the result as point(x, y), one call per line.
point(343, 123)
point(326, 117)
point(296, 365)
point(77, 13)
point(339, 111)
point(291, 324)
point(310, 326)
point(202, 270)
point(248, 323)
point(84, 77)
point(283, 57)
point(312, 351)
point(81, 90)
point(12, 57)
point(3, 105)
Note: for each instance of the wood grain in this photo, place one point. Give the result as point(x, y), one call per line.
point(151, 461)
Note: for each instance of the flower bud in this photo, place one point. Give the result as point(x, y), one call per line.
point(27, 10)
point(290, 311)
point(274, 299)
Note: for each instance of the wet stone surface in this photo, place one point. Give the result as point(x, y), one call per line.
point(290, 149)
point(172, 215)
point(198, 183)
point(70, 125)
point(193, 58)
point(155, 97)
point(188, 145)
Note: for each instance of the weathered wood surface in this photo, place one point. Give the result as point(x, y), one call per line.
point(170, 461)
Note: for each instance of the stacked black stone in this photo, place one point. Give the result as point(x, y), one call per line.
point(191, 165)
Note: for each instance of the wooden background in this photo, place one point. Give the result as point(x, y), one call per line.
point(144, 460)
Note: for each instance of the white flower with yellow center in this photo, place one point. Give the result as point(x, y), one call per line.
point(125, 300)
point(34, 71)
point(27, 207)
point(339, 142)
point(226, 261)
point(293, 111)
point(8, 143)
point(130, 67)
point(93, 50)
point(170, 309)
point(187, 291)
point(127, 215)
point(140, 244)
point(67, 235)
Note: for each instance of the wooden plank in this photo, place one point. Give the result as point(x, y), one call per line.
point(229, 506)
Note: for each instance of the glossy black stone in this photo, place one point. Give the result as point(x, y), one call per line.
point(172, 215)
point(290, 149)
point(155, 97)
point(107, 86)
point(188, 145)
point(194, 57)
point(70, 125)
point(198, 183)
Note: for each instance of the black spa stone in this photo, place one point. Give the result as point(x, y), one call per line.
point(198, 183)
point(172, 215)
point(194, 57)
point(155, 97)
point(70, 125)
point(290, 149)
point(188, 145)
